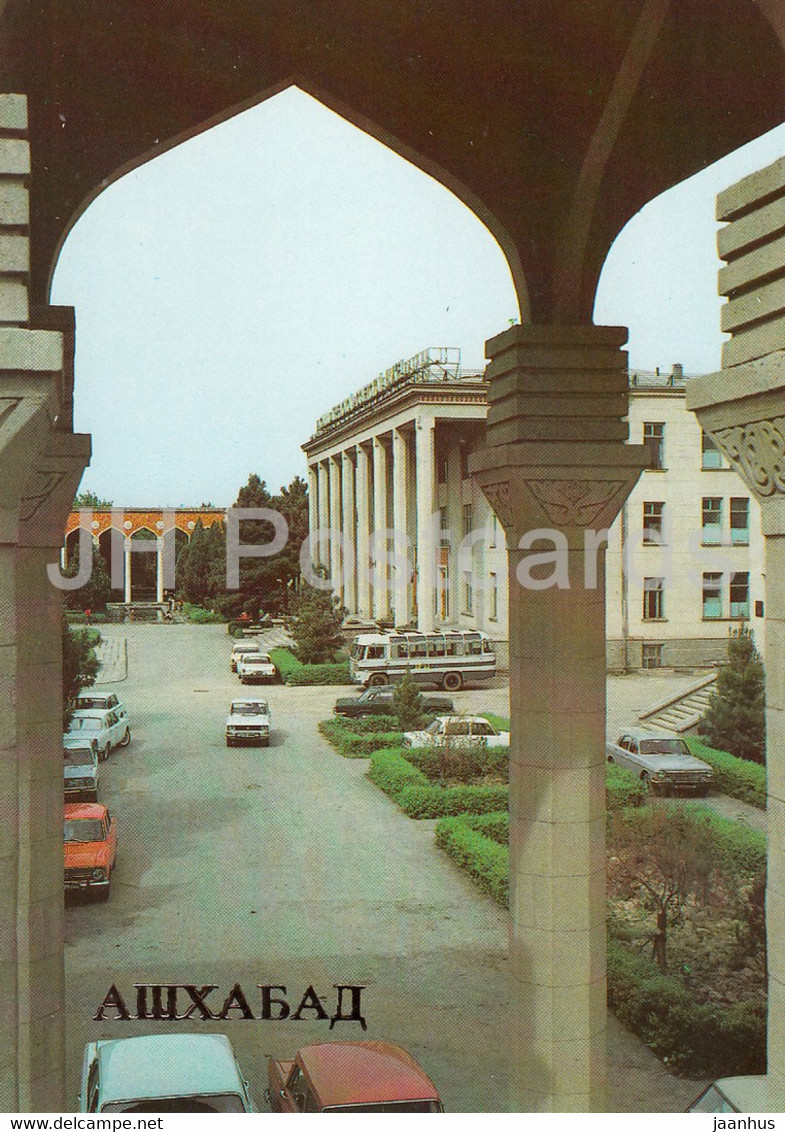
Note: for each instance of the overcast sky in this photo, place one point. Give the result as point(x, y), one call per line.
point(232, 290)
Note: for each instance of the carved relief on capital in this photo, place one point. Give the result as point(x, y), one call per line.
point(499, 495)
point(757, 452)
point(578, 502)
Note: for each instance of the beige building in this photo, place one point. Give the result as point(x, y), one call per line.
point(684, 554)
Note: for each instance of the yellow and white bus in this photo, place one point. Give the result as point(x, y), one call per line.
point(449, 658)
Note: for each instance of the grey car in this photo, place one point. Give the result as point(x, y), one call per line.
point(661, 761)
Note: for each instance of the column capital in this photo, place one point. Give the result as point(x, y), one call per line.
point(50, 489)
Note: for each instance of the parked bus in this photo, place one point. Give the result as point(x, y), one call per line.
point(449, 658)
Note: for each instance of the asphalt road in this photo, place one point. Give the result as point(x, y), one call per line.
point(285, 866)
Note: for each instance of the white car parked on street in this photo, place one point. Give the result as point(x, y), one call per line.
point(240, 648)
point(107, 728)
point(458, 731)
point(256, 668)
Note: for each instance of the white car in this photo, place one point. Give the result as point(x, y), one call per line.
point(256, 668)
point(248, 721)
point(100, 701)
point(80, 772)
point(458, 731)
point(661, 760)
point(242, 648)
point(107, 728)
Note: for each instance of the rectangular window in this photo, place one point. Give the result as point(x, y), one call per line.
point(494, 614)
point(711, 457)
point(468, 592)
point(494, 530)
point(712, 596)
point(652, 523)
point(652, 656)
point(654, 439)
point(740, 595)
point(468, 519)
point(653, 599)
point(711, 521)
point(444, 524)
point(740, 521)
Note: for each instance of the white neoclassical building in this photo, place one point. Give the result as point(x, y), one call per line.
point(684, 562)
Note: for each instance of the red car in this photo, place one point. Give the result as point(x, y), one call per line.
point(89, 848)
point(351, 1077)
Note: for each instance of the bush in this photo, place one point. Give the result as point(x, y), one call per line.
point(353, 746)
point(495, 825)
point(408, 704)
point(739, 778)
point(484, 860)
point(391, 772)
point(295, 672)
point(735, 719)
point(739, 850)
point(622, 788)
point(500, 722)
point(462, 763)
point(199, 616)
point(699, 1039)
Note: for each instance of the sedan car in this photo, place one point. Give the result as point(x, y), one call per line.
point(351, 1077)
point(109, 729)
point(661, 761)
point(248, 721)
point(80, 772)
point(379, 701)
point(242, 648)
point(89, 848)
point(458, 731)
point(256, 668)
point(100, 701)
point(732, 1094)
point(163, 1073)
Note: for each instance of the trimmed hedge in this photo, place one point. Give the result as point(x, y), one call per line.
point(698, 1039)
point(484, 860)
point(354, 746)
point(739, 778)
point(294, 672)
point(463, 763)
point(419, 798)
point(739, 849)
point(622, 788)
point(496, 825)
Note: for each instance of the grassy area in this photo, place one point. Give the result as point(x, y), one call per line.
point(736, 777)
point(295, 672)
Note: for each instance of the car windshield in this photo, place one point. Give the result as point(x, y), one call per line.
point(82, 724)
point(89, 702)
point(221, 1102)
point(664, 747)
point(259, 707)
point(83, 829)
point(77, 756)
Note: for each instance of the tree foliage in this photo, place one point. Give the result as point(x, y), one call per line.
point(408, 704)
point(200, 570)
point(80, 663)
point(97, 590)
point(314, 622)
point(735, 719)
point(90, 499)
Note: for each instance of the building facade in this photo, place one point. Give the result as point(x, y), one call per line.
point(684, 560)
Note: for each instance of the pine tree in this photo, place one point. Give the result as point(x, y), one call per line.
point(408, 704)
point(735, 720)
point(315, 625)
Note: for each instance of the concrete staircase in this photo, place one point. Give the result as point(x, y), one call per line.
point(683, 711)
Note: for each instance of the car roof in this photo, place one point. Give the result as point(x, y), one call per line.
point(94, 694)
point(165, 1065)
point(347, 1073)
point(463, 719)
point(74, 810)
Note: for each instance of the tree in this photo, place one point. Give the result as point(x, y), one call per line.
point(269, 583)
point(97, 590)
point(408, 704)
point(90, 499)
point(663, 857)
point(201, 564)
point(80, 663)
point(735, 719)
point(315, 625)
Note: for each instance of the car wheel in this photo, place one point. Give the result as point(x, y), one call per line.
point(91, 795)
point(105, 753)
point(610, 759)
point(452, 681)
point(126, 739)
point(646, 783)
point(378, 680)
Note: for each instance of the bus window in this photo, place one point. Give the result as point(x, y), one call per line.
point(374, 652)
point(487, 646)
point(400, 651)
point(417, 650)
point(474, 647)
point(453, 647)
point(436, 646)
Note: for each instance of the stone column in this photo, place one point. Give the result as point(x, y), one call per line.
point(742, 407)
point(128, 549)
point(401, 611)
point(381, 522)
point(313, 500)
point(362, 502)
point(334, 524)
point(455, 527)
point(159, 570)
point(348, 521)
point(322, 555)
point(556, 462)
point(427, 540)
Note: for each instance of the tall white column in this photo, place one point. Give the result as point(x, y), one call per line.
point(322, 554)
point(335, 525)
point(362, 503)
point(127, 574)
point(313, 500)
point(401, 611)
point(381, 522)
point(159, 571)
point(348, 520)
point(455, 527)
point(426, 541)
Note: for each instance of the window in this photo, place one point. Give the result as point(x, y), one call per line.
point(654, 439)
point(740, 595)
point(468, 519)
point(711, 520)
point(712, 596)
point(740, 521)
point(468, 592)
point(652, 656)
point(652, 523)
point(444, 527)
point(711, 457)
point(441, 467)
point(494, 530)
point(494, 614)
point(653, 599)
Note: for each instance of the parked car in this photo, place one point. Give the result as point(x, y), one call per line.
point(379, 701)
point(256, 668)
point(732, 1094)
point(661, 760)
point(100, 701)
point(248, 721)
point(163, 1073)
point(109, 729)
point(80, 772)
point(242, 648)
point(351, 1077)
point(458, 731)
point(89, 848)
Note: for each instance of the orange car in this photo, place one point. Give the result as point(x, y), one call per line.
point(351, 1077)
point(90, 847)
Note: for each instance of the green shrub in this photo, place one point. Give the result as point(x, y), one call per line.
point(295, 672)
point(369, 724)
point(391, 772)
point(739, 778)
point(484, 860)
point(699, 1039)
point(500, 722)
point(199, 616)
point(739, 850)
point(463, 763)
point(495, 825)
point(440, 802)
point(622, 788)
